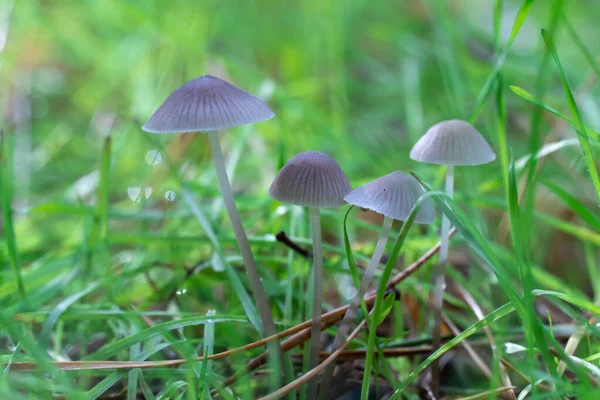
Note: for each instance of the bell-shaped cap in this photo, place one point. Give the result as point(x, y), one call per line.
point(311, 179)
point(206, 104)
point(453, 142)
point(393, 195)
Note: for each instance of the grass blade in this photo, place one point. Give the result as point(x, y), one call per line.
point(577, 121)
point(579, 43)
point(209, 342)
point(103, 189)
point(6, 179)
point(103, 386)
point(592, 219)
point(234, 279)
point(113, 348)
point(525, 95)
point(379, 299)
point(486, 90)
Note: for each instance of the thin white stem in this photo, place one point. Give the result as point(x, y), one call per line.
point(440, 284)
point(256, 286)
point(355, 302)
point(315, 330)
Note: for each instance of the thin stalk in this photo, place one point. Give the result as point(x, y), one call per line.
point(355, 302)
point(315, 330)
point(258, 291)
point(440, 285)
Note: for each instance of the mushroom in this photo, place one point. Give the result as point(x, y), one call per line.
point(453, 142)
point(314, 180)
point(208, 104)
point(393, 195)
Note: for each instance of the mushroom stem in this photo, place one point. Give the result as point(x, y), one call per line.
point(440, 284)
point(256, 286)
point(346, 324)
point(315, 330)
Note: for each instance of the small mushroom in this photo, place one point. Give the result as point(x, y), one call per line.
point(453, 142)
point(393, 195)
point(208, 104)
point(314, 180)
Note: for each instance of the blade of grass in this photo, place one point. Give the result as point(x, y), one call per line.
point(579, 43)
point(146, 390)
point(104, 385)
point(586, 215)
point(234, 279)
point(577, 121)
point(517, 236)
point(172, 390)
point(103, 189)
point(527, 96)
point(379, 298)
point(209, 342)
point(113, 348)
point(60, 309)
point(132, 379)
point(6, 179)
point(488, 86)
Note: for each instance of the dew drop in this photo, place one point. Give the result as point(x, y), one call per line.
point(211, 313)
point(181, 291)
point(281, 210)
point(153, 157)
point(147, 192)
point(134, 193)
point(170, 195)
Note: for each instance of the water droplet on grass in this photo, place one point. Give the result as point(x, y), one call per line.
point(134, 193)
point(153, 157)
point(170, 195)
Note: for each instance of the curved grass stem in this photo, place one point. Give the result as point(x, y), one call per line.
point(346, 323)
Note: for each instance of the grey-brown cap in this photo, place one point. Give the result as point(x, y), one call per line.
point(453, 142)
point(206, 104)
point(311, 179)
point(393, 195)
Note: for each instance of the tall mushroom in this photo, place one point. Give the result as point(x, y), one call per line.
point(393, 195)
point(209, 104)
point(314, 180)
point(453, 142)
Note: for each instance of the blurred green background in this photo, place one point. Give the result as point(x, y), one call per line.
point(359, 80)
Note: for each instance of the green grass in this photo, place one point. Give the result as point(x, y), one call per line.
point(112, 253)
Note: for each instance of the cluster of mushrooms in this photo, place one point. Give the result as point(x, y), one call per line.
point(315, 180)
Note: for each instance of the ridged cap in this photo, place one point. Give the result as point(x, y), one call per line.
point(206, 104)
point(394, 196)
point(453, 142)
point(311, 179)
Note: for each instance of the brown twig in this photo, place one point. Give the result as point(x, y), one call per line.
point(455, 331)
point(283, 238)
point(315, 371)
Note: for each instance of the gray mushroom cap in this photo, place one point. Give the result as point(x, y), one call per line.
point(310, 179)
point(453, 142)
point(206, 104)
point(394, 196)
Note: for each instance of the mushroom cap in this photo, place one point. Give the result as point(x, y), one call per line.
point(453, 142)
point(206, 104)
point(393, 195)
point(310, 179)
